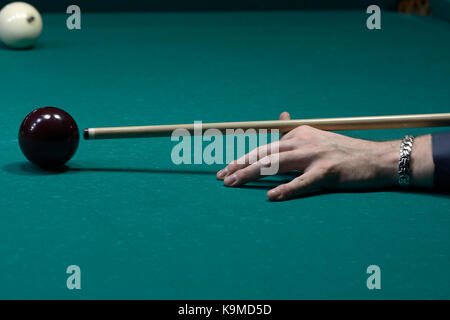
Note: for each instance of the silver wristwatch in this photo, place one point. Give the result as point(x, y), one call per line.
point(404, 170)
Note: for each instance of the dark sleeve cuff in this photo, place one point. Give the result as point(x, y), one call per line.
point(441, 157)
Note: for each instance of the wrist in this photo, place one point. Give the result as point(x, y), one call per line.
point(386, 159)
point(386, 162)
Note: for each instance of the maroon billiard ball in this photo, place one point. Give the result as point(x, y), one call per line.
point(48, 137)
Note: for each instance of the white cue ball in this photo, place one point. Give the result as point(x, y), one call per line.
point(20, 25)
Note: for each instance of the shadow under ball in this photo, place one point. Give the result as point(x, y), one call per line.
point(49, 137)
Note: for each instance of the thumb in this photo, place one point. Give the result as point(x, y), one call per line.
point(285, 116)
point(306, 184)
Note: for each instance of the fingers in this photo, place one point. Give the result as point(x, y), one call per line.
point(306, 184)
point(255, 154)
point(252, 157)
point(273, 164)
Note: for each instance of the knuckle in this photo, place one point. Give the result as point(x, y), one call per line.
point(266, 161)
point(304, 132)
point(272, 148)
point(241, 175)
point(239, 162)
point(289, 145)
point(253, 156)
point(273, 158)
point(233, 164)
point(261, 152)
point(304, 128)
point(284, 190)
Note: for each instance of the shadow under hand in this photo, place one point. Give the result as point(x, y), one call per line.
point(274, 181)
point(28, 169)
point(270, 182)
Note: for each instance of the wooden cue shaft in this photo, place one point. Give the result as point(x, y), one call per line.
point(330, 124)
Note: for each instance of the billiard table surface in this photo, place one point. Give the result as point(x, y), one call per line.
point(141, 227)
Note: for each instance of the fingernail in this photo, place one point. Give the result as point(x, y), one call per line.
point(230, 180)
point(274, 193)
point(222, 173)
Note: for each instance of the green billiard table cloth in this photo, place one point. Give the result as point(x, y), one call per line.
point(141, 227)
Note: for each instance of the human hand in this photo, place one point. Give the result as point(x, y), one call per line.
point(327, 161)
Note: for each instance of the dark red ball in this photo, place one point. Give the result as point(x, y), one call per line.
point(49, 137)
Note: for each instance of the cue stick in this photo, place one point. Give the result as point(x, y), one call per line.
point(330, 124)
